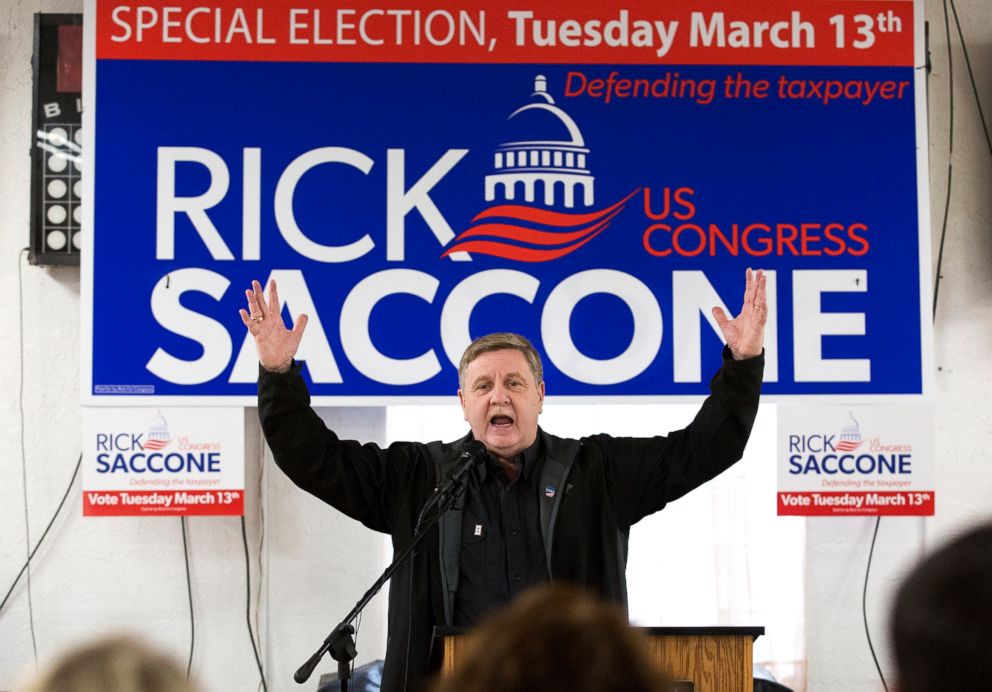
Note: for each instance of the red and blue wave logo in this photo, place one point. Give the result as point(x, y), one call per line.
point(530, 234)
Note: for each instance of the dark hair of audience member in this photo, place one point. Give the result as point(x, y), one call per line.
point(117, 664)
point(941, 623)
point(551, 639)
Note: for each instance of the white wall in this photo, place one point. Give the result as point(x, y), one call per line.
point(97, 575)
point(837, 548)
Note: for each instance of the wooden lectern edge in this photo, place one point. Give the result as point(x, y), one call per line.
point(729, 671)
point(441, 631)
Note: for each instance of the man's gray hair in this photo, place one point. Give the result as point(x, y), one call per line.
point(501, 341)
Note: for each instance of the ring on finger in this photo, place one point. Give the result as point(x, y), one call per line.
point(256, 318)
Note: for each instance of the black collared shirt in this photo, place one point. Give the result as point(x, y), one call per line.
point(502, 550)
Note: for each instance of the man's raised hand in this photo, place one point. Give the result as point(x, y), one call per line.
point(745, 334)
point(276, 345)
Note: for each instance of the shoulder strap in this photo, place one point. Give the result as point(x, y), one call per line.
point(559, 455)
point(449, 526)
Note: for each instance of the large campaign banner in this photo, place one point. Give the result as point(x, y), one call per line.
point(594, 176)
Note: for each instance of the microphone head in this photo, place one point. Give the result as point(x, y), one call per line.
point(475, 449)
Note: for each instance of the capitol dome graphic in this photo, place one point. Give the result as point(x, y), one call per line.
point(158, 435)
point(850, 435)
point(542, 170)
point(549, 164)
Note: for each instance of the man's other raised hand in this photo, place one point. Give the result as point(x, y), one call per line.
point(745, 334)
point(276, 345)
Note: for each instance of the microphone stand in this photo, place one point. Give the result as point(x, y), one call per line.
point(340, 643)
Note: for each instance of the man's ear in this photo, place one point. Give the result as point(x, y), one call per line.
point(540, 396)
point(461, 400)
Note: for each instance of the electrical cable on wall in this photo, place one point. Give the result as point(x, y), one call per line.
point(251, 635)
point(189, 593)
point(950, 129)
point(864, 604)
point(24, 461)
point(971, 75)
point(58, 509)
point(261, 535)
point(950, 152)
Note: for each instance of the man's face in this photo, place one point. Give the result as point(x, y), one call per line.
point(501, 402)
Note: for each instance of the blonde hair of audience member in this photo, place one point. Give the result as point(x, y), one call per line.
point(555, 638)
point(117, 664)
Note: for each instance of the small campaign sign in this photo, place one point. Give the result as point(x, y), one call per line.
point(163, 461)
point(855, 460)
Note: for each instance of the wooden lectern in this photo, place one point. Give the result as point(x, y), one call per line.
point(713, 659)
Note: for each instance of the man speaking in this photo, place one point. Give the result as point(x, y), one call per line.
point(541, 509)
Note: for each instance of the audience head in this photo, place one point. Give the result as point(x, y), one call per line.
point(941, 624)
point(551, 639)
point(118, 664)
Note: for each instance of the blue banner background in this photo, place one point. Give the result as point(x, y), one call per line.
point(748, 160)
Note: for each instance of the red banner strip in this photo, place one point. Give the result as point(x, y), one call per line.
point(862, 503)
point(644, 32)
point(170, 503)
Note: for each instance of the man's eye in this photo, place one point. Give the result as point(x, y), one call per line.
point(484, 386)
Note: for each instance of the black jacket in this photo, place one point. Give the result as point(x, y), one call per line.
point(601, 486)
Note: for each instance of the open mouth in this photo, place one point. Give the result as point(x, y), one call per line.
point(500, 421)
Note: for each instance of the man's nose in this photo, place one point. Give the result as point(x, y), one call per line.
point(500, 394)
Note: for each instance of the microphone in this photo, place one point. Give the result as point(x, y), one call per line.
point(472, 453)
point(306, 670)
